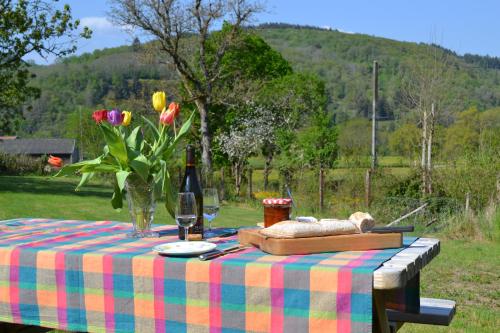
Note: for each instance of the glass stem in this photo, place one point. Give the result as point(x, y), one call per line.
point(186, 231)
point(210, 225)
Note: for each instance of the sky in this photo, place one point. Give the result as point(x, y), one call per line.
point(460, 25)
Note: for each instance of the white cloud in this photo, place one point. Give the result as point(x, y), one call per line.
point(346, 31)
point(98, 23)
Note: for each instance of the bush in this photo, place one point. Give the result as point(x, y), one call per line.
point(475, 174)
point(22, 165)
point(482, 226)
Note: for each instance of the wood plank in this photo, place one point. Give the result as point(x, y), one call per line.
point(432, 311)
point(307, 245)
point(389, 278)
point(406, 263)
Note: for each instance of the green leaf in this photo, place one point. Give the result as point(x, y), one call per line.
point(156, 133)
point(134, 140)
point(121, 177)
point(159, 150)
point(117, 200)
point(169, 194)
point(140, 165)
point(182, 132)
point(100, 168)
point(185, 127)
point(116, 144)
point(158, 179)
point(70, 169)
point(86, 176)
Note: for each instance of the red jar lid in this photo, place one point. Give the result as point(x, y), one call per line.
point(278, 201)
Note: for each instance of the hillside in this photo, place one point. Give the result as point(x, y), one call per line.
point(122, 76)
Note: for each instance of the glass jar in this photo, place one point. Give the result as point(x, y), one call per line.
point(276, 210)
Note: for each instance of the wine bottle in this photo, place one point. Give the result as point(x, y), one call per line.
point(190, 183)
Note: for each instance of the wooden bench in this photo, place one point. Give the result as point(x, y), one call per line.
point(432, 312)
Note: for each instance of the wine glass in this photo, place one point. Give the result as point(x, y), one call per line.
point(185, 212)
point(210, 208)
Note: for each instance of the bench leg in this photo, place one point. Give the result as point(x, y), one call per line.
point(381, 324)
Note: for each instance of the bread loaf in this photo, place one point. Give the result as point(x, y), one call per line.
point(294, 229)
point(363, 221)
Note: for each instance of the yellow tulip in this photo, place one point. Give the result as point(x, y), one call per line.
point(127, 117)
point(159, 100)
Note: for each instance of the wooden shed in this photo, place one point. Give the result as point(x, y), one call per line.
point(63, 148)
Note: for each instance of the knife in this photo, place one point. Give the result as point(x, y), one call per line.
point(385, 230)
point(217, 253)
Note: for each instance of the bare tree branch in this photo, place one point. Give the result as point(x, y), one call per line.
point(180, 25)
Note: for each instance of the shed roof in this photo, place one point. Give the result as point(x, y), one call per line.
point(38, 146)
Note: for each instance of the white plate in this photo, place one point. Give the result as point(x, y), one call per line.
point(190, 248)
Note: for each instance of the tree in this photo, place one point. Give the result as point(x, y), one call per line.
point(319, 143)
point(245, 138)
point(473, 131)
point(249, 69)
point(26, 27)
point(183, 29)
point(291, 98)
point(354, 139)
point(136, 44)
point(405, 141)
point(425, 81)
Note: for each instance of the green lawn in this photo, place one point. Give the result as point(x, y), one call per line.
point(465, 271)
point(56, 198)
point(468, 273)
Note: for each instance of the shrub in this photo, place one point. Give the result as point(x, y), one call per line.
point(480, 226)
point(476, 174)
point(22, 164)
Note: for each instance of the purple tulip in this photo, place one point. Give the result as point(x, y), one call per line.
point(115, 117)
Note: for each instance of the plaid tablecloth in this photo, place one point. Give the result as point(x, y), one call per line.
point(87, 276)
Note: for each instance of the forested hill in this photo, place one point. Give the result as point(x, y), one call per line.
point(118, 76)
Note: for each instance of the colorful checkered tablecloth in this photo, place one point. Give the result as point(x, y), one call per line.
point(88, 276)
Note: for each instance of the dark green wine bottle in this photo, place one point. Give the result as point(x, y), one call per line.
point(190, 183)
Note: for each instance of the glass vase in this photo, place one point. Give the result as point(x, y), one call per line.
point(141, 204)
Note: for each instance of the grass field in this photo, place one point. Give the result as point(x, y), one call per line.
point(56, 198)
point(465, 271)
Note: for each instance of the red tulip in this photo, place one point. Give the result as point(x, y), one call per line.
point(175, 108)
point(55, 161)
point(100, 116)
point(167, 117)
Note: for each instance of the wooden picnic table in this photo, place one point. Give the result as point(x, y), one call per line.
point(86, 276)
point(399, 277)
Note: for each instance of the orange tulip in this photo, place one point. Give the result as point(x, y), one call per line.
point(55, 161)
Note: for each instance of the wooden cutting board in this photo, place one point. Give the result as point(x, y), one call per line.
point(307, 245)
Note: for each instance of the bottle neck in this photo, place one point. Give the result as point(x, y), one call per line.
point(190, 160)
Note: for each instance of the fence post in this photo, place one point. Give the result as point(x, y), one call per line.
point(368, 187)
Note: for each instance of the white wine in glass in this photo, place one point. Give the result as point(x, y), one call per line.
point(210, 208)
point(185, 211)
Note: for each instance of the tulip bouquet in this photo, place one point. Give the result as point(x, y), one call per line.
point(138, 161)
